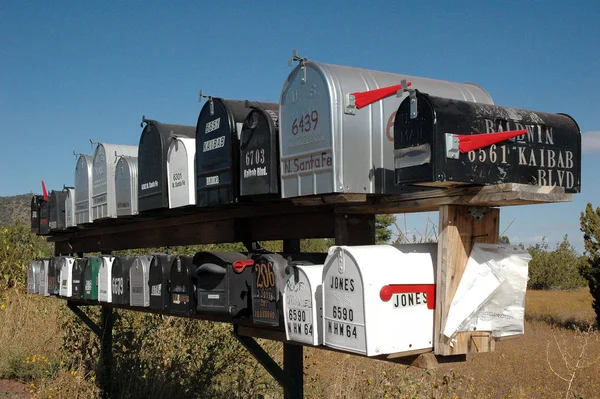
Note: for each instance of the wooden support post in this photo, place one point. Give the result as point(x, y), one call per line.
point(106, 355)
point(460, 227)
point(354, 229)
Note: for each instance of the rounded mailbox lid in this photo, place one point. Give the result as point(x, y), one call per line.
point(126, 186)
point(56, 219)
point(303, 305)
point(83, 188)
point(152, 161)
point(36, 204)
point(181, 160)
point(328, 145)
point(259, 160)
point(70, 208)
point(158, 280)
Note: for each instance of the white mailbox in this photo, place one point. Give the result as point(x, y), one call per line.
point(65, 263)
point(70, 208)
point(33, 277)
point(105, 278)
point(83, 189)
point(379, 299)
point(303, 305)
point(43, 283)
point(181, 164)
point(335, 137)
point(104, 199)
point(126, 186)
point(138, 280)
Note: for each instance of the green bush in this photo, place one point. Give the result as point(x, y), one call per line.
point(18, 247)
point(556, 269)
point(590, 269)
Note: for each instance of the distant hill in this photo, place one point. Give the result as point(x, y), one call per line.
point(15, 208)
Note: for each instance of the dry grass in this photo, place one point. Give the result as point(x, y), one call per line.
point(532, 366)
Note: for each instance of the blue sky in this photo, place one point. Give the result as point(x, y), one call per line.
point(79, 70)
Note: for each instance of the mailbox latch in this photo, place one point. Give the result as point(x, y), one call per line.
point(349, 104)
point(452, 150)
point(412, 95)
point(302, 61)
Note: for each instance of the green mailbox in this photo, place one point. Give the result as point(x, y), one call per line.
point(90, 279)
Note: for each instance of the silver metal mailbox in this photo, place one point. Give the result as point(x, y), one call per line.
point(65, 263)
point(105, 278)
point(33, 277)
point(43, 283)
point(329, 145)
point(181, 172)
point(303, 305)
point(138, 280)
point(104, 199)
point(152, 160)
point(126, 186)
point(83, 189)
point(70, 208)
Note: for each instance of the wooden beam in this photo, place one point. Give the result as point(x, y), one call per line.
point(459, 230)
point(354, 229)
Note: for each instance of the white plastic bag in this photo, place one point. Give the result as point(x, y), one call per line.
point(491, 292)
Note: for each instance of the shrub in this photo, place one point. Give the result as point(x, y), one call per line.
point(556, 269)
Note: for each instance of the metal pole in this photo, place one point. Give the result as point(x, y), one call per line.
point(106, 355)
point(293, 366)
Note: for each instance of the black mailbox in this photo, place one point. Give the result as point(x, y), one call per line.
point(152, 162)
point(120, 285)
point(451, 142)
point(259, 151)
point(54, 276)
point(183, 285)
point(57, 216)
point(217, 149)
point(158, 279)
point(77, 282)
point(44, 216)
point(36, 205)
point(270, 273)
point(224, 283)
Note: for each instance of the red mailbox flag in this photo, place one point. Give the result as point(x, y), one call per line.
point(44, 191)
point(472, 142)
point(364, 98)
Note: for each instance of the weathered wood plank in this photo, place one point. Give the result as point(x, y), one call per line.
point(458, 232)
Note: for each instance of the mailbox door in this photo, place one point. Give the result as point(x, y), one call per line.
point(160, 271)
point(57, 210)
point(259, 159)
point(44, 266)
point(90, 279)
point(105, 279)
point(138, 279)
point(343, 305)
point(44, 216)
point(66, 276)
point(126, 186)
point(217, 151)
point(83, 189)
point(183, 286)
point(152, 161)
point(31, 277)
point(36, 202)
point(267, 286)
point(52, 277)
point(221, 289)
point(120, 279)
point(548, 154)
point(70, 208)
point(104, 199)
point(181, 173)
point(77, 280)
point(303, 305)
